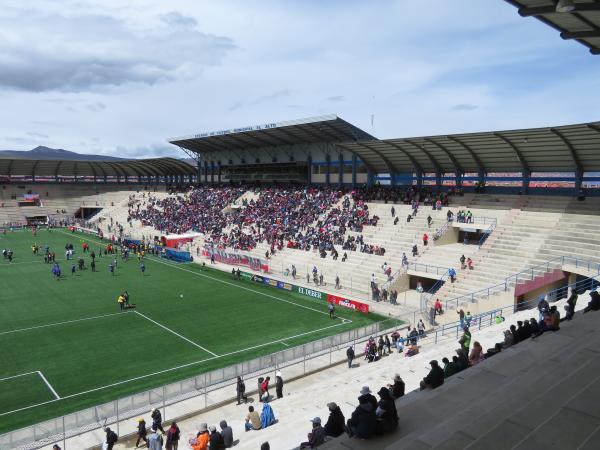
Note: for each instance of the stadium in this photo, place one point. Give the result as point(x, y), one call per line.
point(315, 273)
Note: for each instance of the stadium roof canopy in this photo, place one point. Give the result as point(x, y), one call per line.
point(564, 148)
point(100, 169)
point(579, 19)
point(322, 129)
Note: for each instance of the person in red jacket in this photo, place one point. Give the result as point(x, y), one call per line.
point(265, 389)
point(425, 239)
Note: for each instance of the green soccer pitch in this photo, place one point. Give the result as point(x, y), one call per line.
point(66, 345)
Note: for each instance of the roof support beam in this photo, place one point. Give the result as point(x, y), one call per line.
point(574, 154)
point(415, 163)
point(35, 164)
point(549, 9)
point(387, 162)
point(480, 166)
point(517, 152)
point(92, 163)
point(580, 34)
point(458, 169)
point(436, 164)
point(367, 165)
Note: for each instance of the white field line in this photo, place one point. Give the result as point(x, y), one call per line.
point(17, 376)
point(168, 370)
point(22, 262)
point(49, 385)
point(222, 281)
point(175, 333)
point(62, 323)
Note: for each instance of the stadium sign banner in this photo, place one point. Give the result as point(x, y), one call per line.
point(347, 303)
point(310, 293)
point(235, 259)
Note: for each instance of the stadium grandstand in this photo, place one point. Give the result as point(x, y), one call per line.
point(306, 284)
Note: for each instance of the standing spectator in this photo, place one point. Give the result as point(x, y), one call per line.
point(571, 302)
point(173, 435)
point(111, 438)
point(141, 432)
point(265, 446)
point(452, 274)
point(543, 307)
point(216, 440)
point(465, 340)
point(335, 423)
point(425, 239)
point(429, 220)
point(468, 319)
point(227, 433)
point(157, 420)
point(200, 442)
point(240, 390)
point(350, 356)
point(316, 437)
point(155, 440)
point(461, 316)
point(278, 384)
point(265, 389)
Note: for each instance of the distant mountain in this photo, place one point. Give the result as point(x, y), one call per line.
point(47, 153)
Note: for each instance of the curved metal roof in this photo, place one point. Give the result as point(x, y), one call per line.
point(130, 168)
point(329, 129)
point(581, 24)
point(564, 148)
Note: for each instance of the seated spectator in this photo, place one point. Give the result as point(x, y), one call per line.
point(202, 438)
point(534, 327)
point(514, 334)
point(494, 351)
point(499, 318)
point(387, 416)
point(253, 421)
point(476, 355)
point(434, 378)
point(411, 350)
point(216, 439)
point(397, 389)
point(363, 421)
point(462, 359)
point(267, 417)
point(265, 446)
point(450, 368)
point(335, 423)
point(419, 287)
point(594, 303)
point(508, 339)
point(227, 433)
point(316, 437)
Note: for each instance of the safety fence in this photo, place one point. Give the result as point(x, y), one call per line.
point(525, 275)
point(298, 360)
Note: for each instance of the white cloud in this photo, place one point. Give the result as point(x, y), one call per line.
point(125, 76)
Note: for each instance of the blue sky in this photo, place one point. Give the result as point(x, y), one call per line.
point(120, 78)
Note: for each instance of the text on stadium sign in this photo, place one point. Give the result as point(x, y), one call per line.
point(310, 292)
point(237, 130)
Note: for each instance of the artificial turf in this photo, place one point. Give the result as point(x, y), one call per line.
point(188, 320)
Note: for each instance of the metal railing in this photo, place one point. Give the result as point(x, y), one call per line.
point(525, 275)
point(488, 318)
point(307, 357)
point(486, 234)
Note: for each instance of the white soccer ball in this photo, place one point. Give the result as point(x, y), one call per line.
point(180, 295)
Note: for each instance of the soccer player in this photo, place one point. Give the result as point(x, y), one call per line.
point(121, 302)
point(73, 269)
point(142, 268)
point(93, 265)
point(331, 310)
point(111, 269)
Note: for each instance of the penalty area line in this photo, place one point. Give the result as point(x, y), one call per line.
point(171, 369)
point(48, 384)
point(175, 333)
